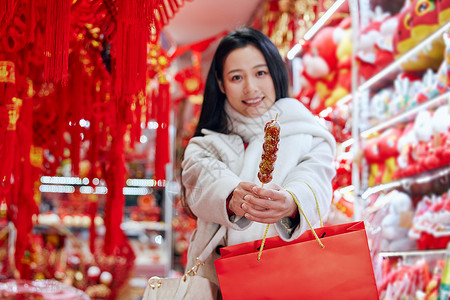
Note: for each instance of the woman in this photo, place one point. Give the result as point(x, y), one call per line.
point(247, 86)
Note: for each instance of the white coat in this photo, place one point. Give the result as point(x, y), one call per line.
point(215, 163)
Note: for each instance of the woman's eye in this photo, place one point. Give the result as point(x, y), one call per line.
point(261, 73)
point(236, 77)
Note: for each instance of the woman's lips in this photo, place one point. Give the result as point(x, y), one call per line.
point(253, 101)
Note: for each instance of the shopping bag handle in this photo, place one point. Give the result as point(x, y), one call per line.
point(303, 213)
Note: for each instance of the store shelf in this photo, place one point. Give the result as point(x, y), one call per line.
point(437, 180)
point(405, 116)
point(394, 67)
point(413, 253)
point(135, 228)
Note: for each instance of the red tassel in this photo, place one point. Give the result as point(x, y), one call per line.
point(115, 179)
point(23, 195)
point(132, 37)
point(57, 41)
point(6, 13)
point(92, 214)
point(9, 113)
point(162, 144)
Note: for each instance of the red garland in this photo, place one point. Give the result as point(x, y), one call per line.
point(57, 41)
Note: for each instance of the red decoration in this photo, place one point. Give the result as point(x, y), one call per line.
point(6, 12)
point(191, 81)
point(57, 40)
point(100, 101)
point(162, 149)
point(115, 179)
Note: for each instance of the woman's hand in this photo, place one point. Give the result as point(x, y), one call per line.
point(265, 205)
point(237, 201)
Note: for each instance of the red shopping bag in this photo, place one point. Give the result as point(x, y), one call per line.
point(301, 269)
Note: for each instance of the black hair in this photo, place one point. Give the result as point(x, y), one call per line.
point(213, 114)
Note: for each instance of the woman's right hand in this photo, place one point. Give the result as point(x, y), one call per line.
point(237, 200)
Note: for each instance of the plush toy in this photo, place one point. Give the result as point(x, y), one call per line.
point(319, 65)
point(400, 96)
point(388, 147)
point(343, 170)
point(375, 49)
point(405, 146)
point(344, 57)
point(396, 224)
point(428, 90)
point(379, 105)
point(441, 131)
point(443, 8)
point(416, 21)
point(340, 121)
point(374, 160)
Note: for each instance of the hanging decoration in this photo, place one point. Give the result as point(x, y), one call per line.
point(73, 77)
point(57, 40)
point(162, 151)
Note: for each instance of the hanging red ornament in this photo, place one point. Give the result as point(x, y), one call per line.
point(162, 143)
point(115, 180)
point(190, 80)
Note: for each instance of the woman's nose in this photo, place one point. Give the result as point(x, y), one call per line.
point(249, 86)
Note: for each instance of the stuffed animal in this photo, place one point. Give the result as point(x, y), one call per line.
point(443, 8)
point(441, 132)
point(396, 224)
point(379, 105)
point(319, 65)
point(405, 146)
point(375, 49)
point(416, 21)
point(388, 147)
point(374, 160)
point(344, 56)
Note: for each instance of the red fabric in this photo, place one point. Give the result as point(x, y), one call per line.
point(300, 269)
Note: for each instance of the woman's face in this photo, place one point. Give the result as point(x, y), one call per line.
point(247, 82)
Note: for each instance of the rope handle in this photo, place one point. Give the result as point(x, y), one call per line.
point(303, 213)
point(307, 221)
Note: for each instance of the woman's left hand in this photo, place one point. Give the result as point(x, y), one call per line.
point(278, 204)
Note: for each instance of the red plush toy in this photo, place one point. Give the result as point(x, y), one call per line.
point(417, 20)
point(319, 67)
point(375, 49)
point(374, 160)
point(344, 55)
point(443, 8)
point(388, 142)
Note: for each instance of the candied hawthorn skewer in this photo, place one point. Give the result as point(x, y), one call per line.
point(268, 158)
point(270, 148)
